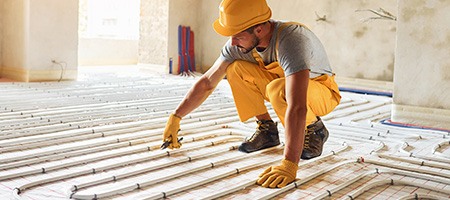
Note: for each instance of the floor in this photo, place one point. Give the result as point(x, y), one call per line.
point(99, 138)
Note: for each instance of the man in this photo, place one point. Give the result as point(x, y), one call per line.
point(282, 63)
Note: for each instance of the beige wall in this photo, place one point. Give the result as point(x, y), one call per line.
point(35, 32)
point(422, 67)
point(153, 33)
point(355, 48)
point(101, 51)
point(14, 34)
point(1, 35)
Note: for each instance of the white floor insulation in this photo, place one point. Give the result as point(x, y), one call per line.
point(99, 138)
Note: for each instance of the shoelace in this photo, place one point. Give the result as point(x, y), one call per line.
point(307, 134)
point(261, 127)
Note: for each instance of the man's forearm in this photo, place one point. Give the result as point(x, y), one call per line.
point(194, 98)
point(294, 134)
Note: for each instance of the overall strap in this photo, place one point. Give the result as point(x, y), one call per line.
point(284, 25)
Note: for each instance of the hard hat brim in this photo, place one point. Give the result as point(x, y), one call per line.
point(229, 31)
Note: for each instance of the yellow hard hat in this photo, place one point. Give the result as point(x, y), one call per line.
point(238, 15)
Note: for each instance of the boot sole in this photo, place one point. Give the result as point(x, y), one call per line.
point(242, 149)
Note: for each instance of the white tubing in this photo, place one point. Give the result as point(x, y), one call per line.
point(210, 179)
point(116, 143)
point(413, 169)
point(250, 183)
point(391, 181)
point(417, 162)
point(148, 169)
point(440, 145)
point(304, 180)
point(403, 150)
point(330, 192)
point(128, 188)
point(109, 155)
point(417, 196)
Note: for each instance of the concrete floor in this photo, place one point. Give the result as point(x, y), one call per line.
point(99, 137)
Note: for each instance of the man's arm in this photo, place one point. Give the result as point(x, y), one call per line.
point(296, 91)
point(202, 88)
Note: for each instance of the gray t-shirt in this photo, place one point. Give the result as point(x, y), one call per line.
point(298, 49)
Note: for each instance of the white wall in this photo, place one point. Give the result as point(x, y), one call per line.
point(14, 34)
point(101, 51)
point(53, 34)
point(108, 32)
point(35, 32)
point(355, 49)
point(153, 33)
point(1, 35)
point(422, 67)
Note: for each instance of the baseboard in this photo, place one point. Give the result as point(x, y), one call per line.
point(422, 116)
point(23, 75)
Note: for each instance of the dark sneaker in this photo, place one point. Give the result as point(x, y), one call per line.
point(315, 136)
point(266, 136)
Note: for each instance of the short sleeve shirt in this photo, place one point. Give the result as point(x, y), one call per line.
point(298, 49)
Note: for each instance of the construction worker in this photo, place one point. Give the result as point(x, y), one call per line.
point(283, 63)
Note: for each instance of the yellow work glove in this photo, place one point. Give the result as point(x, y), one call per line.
point(171, 132)
point(280, 175)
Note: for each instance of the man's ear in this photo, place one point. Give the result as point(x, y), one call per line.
point(258, 29)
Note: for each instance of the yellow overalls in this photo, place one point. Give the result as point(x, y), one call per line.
point(251, 84)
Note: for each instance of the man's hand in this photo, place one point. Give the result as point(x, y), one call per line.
point(171, 132)
point(278, 176)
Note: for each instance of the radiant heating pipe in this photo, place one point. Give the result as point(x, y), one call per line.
point(102, 157)
point(250, 183)
point(128, 174)
point(101, 146)
point(304, 180)
point(73, 123)
point(98, 132)
point(330, 192)
point(417, 196)
point(333, 116)
point(406, 145)
point(128, 188)
point(440, 145)
point(22, 188)
point(149, 133)
point(361, 190)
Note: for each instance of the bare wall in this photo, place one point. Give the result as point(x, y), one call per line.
point(153, 42)
point(1, 35)
point(13, 36)
point(355, 49)
point(422, 67)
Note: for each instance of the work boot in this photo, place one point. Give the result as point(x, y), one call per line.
point(315, 136)
point(266, 136)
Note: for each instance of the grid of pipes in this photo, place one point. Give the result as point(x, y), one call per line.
point(99, 138)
